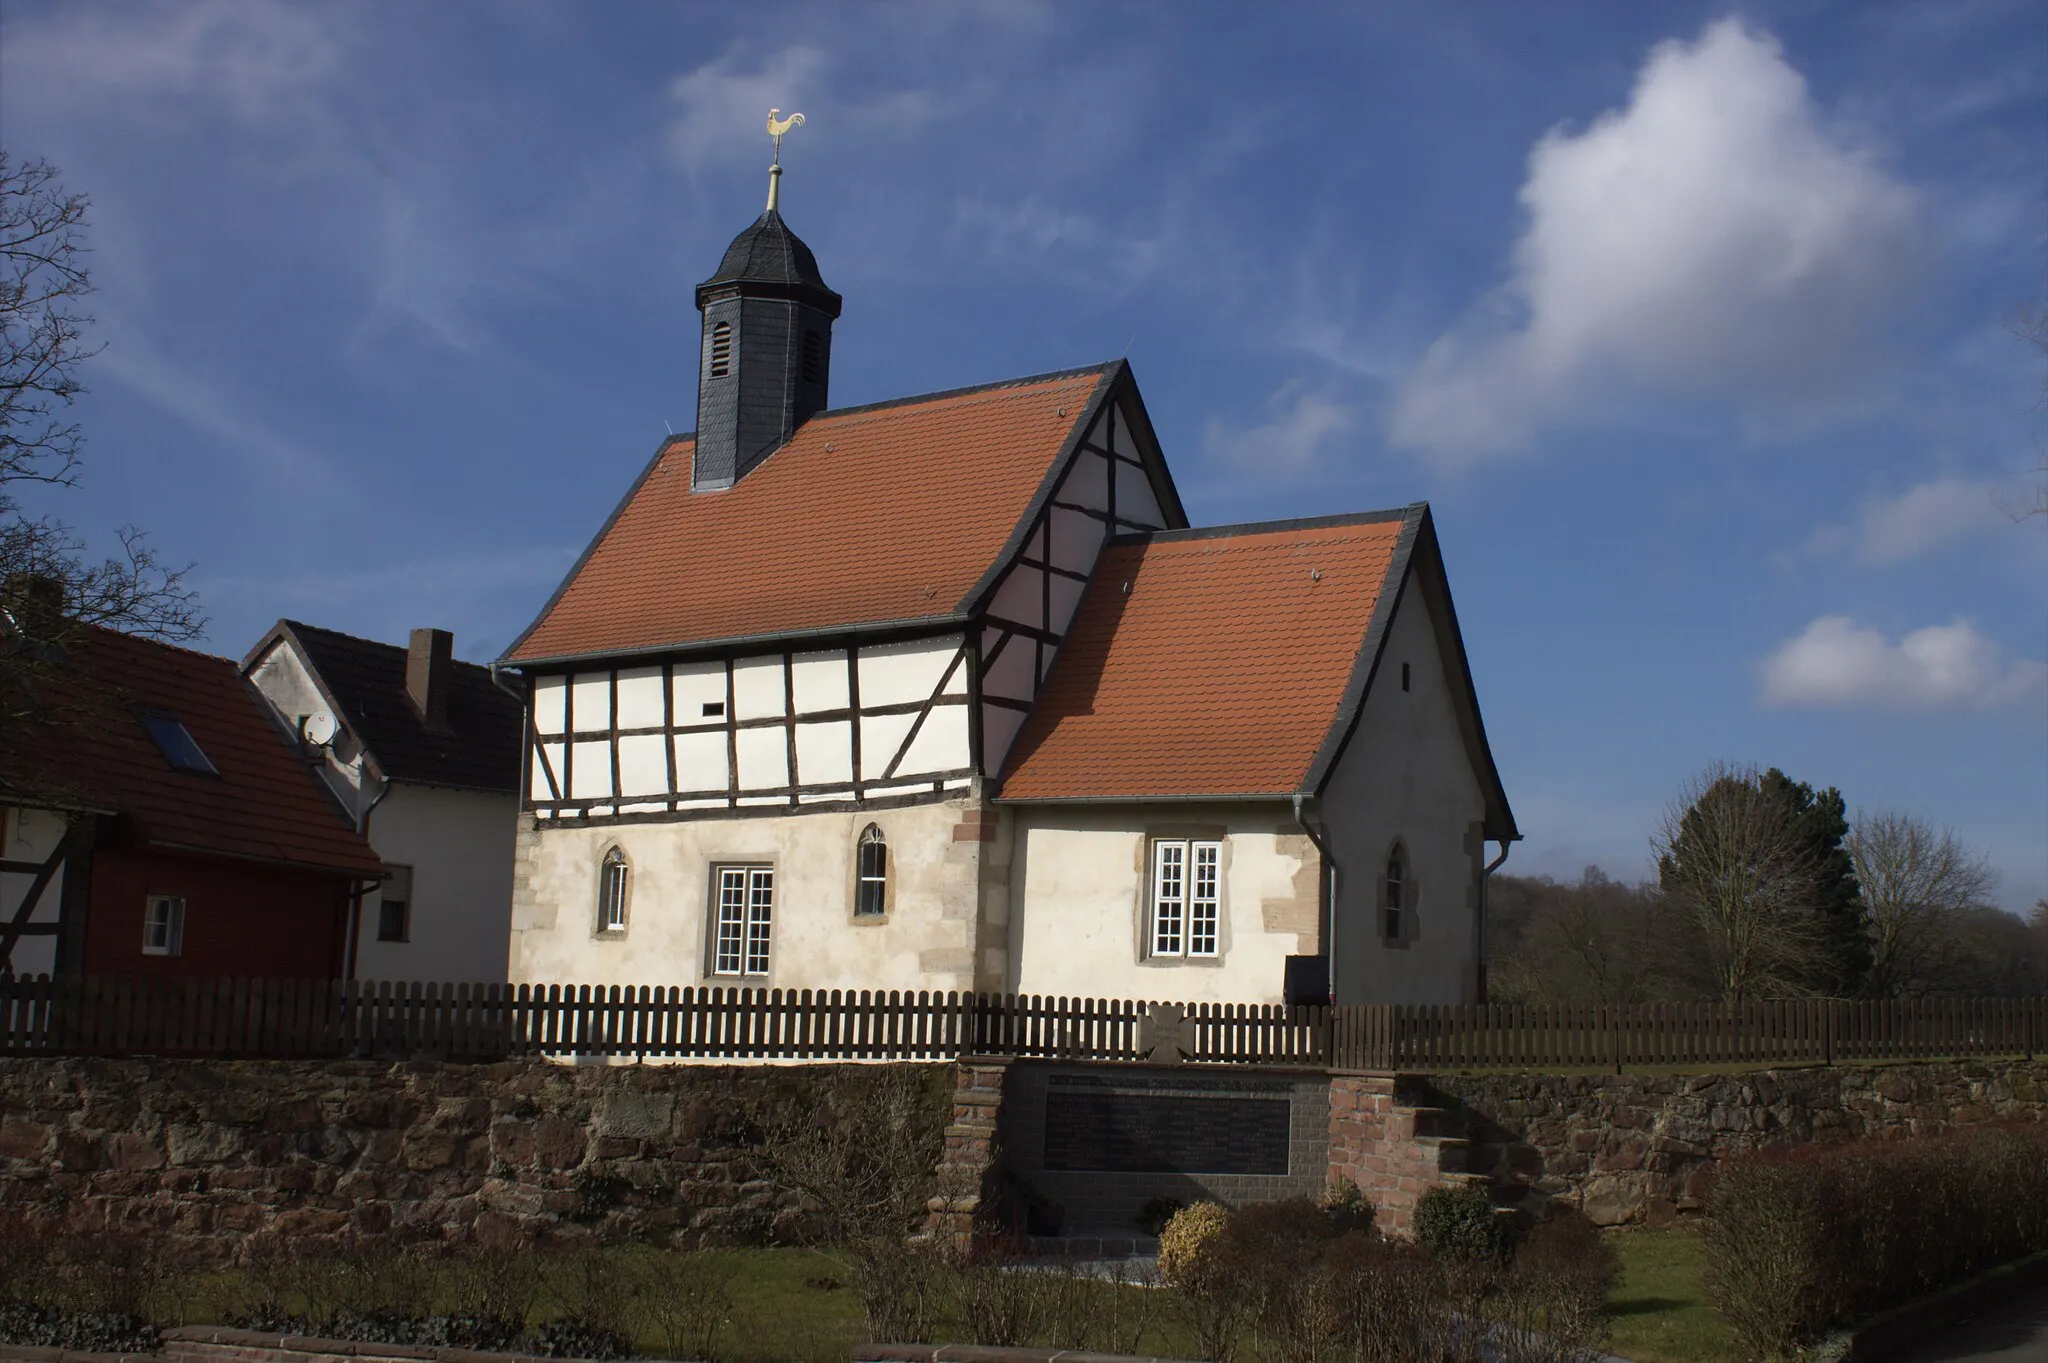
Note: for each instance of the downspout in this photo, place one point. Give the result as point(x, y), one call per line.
point(1484, 876)
point(1329, 897)
point(355, 903)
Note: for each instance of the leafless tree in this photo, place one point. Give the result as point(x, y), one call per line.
point(1597, 941)
point(1919, 887)
point(48, 585)
point(1731, 858)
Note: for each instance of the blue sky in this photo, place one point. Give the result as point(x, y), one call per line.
point(1691, 322)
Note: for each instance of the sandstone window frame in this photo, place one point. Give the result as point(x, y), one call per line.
point(740, 921)
point(874, 889)
point(1184, 899)
point(1398, 897)
point(614, 893)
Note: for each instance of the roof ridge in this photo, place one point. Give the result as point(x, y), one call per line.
point(166, 644)
point(373, 643)
point(968, 391)
point(1384, 516)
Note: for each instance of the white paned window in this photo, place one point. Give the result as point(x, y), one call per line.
point(746, 908)
point(1186, 897)
point(612, 877)
point(163, 926)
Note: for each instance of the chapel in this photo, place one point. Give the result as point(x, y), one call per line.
point(945, 693)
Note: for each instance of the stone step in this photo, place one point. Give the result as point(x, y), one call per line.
point(1447, 1154)
point(1431, 1121)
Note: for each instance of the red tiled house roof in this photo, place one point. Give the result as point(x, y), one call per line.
point(86, 748)
point(1205, 662)
point(869, 516)
point(1231, 663)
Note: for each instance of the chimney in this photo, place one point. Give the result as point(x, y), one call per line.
point(429, 670)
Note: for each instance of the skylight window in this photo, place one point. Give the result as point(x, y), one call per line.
point(177, 745)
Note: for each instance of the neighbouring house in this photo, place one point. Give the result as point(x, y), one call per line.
point(155, 820)
point(423, 752)
point(943, 693)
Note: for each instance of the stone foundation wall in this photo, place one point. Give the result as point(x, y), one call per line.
point(1629, 1147)
point(208, 1153)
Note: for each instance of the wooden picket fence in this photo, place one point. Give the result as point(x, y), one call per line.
point(40, 1015)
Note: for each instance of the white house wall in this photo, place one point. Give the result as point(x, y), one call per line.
point(459, 844)
point(31, 835)
point(1104, 491)
point(1079, 908)
point(773, 730)
point(283, 679)
point(1408, 776)
point(931, 936)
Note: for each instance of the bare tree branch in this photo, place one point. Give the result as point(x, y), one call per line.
point(1730, 856)
point(41, 332)
point(49, 588)
point(1919, 887)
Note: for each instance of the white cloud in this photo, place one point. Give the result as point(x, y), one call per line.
point(1920, 519)
point(1302, 420)
point(724, 109)
point(1712, 239)
point(247, 54)
point(1834, 661)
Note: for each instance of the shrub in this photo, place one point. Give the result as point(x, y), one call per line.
point(688, 1299)
point(1802, 1240)
point(1552, 1304)
point(1459, 1223)
point(1184, 1237)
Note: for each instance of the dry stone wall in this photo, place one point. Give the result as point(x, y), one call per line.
point(210, 1152)
point(1631, 1147)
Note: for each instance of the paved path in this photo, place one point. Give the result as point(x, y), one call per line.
point(2014, 1333)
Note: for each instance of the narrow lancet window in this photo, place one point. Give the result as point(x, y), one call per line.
point(1396, 885)
point(611, 892)
point(871, 890)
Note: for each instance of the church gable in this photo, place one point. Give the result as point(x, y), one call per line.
point(1114, 481)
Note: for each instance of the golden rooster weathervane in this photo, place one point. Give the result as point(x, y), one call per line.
point(777, 127)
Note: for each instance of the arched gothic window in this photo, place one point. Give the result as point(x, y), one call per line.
point(871, 889)
point(611, 892)
point(721, 350)
point(1396, 891)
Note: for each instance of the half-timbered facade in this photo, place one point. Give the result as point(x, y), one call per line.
point(775, 708)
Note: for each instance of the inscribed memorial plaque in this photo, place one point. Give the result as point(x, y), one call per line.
point(1166, 1125)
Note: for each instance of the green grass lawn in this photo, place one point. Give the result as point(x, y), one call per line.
point(795, 1305)
point(1659, 1309)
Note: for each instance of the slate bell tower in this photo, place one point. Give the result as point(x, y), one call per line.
point(767, 350)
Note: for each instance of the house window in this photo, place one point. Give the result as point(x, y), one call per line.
point(721, 350)
point(746, 907)
point(163, 926)
point(1185, 880)
point(611, 892)
point(394, 906)
point(814, 358)
point(177, 745)
point(871, 889)
point(1396, 888)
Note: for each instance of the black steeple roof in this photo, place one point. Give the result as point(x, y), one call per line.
point(768, 260)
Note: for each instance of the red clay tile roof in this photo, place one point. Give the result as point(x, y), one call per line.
point(867, 516)
point(87, 748)
point(1219, 672)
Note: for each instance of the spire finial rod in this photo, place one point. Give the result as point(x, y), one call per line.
point(776, 128)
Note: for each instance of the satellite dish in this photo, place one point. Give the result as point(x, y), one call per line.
point(318, 728)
